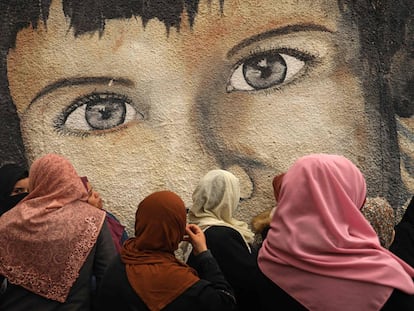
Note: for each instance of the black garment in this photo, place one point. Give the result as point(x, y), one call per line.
point(9, 175)
point(239, 266)
point(399, 301)
point(212, 292)
point(16, 298)
point(403, 244)
point(272, 296)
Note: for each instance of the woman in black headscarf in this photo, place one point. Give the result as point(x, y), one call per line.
point(403, 244)
point(14, 186)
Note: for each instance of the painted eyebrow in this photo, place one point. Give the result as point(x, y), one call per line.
point(276, 32)
point(81, 81)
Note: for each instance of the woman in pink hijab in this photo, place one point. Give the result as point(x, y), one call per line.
point(52, 242)
point(321, 253)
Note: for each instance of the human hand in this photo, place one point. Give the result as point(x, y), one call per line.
point(95, 199)
point(197, 238)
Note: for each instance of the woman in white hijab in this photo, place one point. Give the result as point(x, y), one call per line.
point(215, 199)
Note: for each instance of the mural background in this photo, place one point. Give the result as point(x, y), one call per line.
point(150, 95)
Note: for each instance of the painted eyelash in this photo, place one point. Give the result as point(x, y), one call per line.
point(84, 134)
point(278, 88)
point(301, 55)
point(82, 100)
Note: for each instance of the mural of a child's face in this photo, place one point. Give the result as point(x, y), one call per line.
point(138, 110)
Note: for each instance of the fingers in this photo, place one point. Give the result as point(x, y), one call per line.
point(196, 238)
point(191, 232)
point(192, 229)
point(190, 235)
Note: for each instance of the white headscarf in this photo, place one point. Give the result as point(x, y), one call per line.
point(215, 200)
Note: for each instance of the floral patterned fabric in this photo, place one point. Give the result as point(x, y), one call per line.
point(47, 237)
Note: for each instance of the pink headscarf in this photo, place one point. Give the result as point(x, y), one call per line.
point(47, 237)
point(320, 249)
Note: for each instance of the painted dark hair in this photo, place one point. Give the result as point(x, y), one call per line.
point(381, 23)
point(90, 15)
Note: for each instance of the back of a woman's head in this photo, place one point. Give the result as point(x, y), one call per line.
point(217, 193)
point(160, 222)
point(53, 173)
point(323, 177)
point(318, 211)
point(380, 215)
point(320, 249)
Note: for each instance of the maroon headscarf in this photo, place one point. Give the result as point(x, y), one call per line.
point(152, 269)
point(277, 185)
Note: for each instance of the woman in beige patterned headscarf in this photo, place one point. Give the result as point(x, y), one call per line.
point(53, 241)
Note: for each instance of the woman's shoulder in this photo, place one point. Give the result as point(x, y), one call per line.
point(222, 233)
point(225, 238)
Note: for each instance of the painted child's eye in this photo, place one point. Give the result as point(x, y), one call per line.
point(97, 112)
point(264, 70)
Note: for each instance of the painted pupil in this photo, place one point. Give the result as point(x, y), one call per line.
point(105, 114)
point(265, 70)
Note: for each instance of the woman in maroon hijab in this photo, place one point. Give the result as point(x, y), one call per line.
point(147, 275)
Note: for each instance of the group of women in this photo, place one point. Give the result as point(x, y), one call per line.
point(319, 253)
